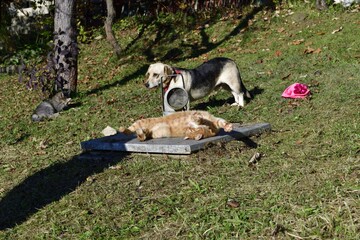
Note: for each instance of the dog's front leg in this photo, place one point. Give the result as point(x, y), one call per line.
point(239, 99)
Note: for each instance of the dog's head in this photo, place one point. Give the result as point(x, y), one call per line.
point(157, 72)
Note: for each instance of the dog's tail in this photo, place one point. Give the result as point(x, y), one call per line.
point(246, 92)
point(243, 88)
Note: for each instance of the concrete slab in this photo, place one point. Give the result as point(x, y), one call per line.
point(129, 143)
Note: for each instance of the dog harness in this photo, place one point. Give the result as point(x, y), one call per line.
point(176, 72)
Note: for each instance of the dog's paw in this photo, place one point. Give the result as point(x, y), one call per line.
point(122, 129)
point(235, 104)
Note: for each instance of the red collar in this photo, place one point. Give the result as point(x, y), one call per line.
point(176, 71)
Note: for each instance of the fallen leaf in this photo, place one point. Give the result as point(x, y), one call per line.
point(91, 179)
point(278, 229)
point(310, 50)
point(297, 42)
point(117, 167)
point(254, 159)
point(250, 51)
point(221, 50)
point(280, 30)
point(337, 30)
point(111, 101)
point(317, 51)
point(40, 153)
point(286, 77)
point(233, 203)
point(43, 144)
point(278, 53)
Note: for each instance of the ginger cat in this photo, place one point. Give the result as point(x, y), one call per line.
point(189, 125)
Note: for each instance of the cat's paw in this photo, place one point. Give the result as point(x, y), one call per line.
point(141, 137)
point(228, 127)
point(198, 137)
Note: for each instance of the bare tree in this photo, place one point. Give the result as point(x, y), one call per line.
point(65, 47)
point(108, 27)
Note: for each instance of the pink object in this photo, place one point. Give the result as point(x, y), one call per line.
point(296, 90)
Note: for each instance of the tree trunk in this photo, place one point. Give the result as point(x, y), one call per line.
point(108, 27)
point(65, 47)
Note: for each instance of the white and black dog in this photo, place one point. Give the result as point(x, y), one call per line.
point(201, 81)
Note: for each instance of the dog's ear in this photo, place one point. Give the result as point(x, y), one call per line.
point(167, 70)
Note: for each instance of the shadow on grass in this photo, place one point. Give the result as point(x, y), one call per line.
point(207, 46)
point(139, 72)
point(220, 102)
point(50, 185)
point(167, 31)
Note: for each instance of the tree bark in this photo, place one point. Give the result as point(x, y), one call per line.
point(65, 47)
point(108, 27)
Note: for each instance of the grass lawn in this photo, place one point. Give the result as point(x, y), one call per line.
point(305, 186)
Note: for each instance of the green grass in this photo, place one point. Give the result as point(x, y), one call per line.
point(306, 185)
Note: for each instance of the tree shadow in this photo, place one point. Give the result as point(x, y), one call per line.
point(50, 185)
point(166, 31)
point(207, 46)
point(73, 105)
point(139, 72)
point(141, 33)
point(212, 103)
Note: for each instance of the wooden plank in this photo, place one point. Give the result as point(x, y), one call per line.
point(129, 143)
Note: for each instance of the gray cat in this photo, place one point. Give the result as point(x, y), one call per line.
point(50, 108)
